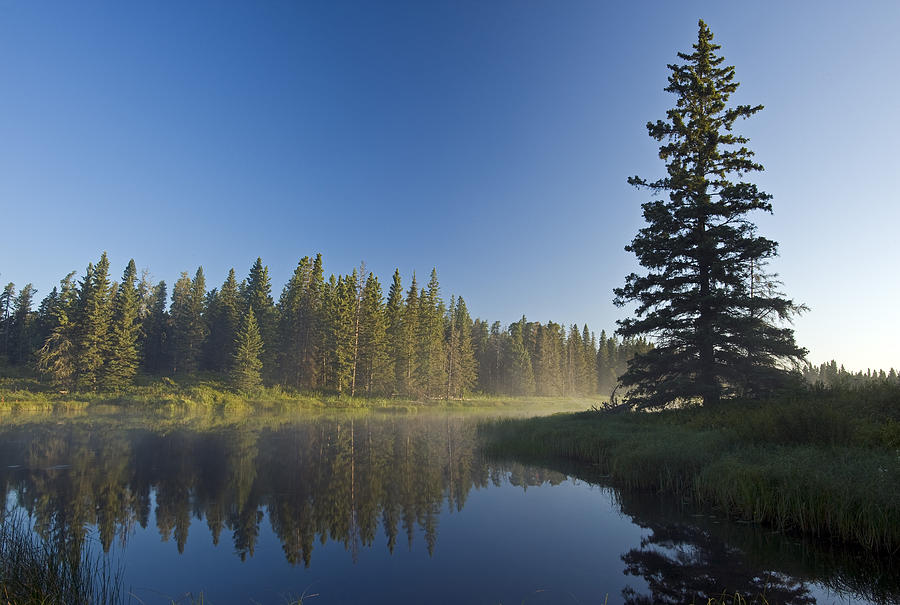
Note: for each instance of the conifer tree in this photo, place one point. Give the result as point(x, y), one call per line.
point(223, 324)
point(290, 324)
point(248, 348)
point(394, 333)
point(430, 350)
point(188, 324)
point(410, 338)
point(57, 357)
point(461, 367)
point(715, 336)
point(258, 294)
point(341, 328)
point(518, 368)
point(311, 308)
point(45, 321)
point(359, 284)
point(606, 373)
point(549, 360)
point(156, 332)
point(6, 305)
point(574, 361)
point(589, 369)
point(498, 359)
point(94, 313)
point(311, 328)
point(180, 314)
point(374, 372)
point(21, 327)
point(481, 348)
point(122, 354)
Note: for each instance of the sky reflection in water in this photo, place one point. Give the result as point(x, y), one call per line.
point(394, 509)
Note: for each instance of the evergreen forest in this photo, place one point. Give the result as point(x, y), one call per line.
point(341, 334)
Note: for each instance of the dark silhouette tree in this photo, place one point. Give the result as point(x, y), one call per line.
point(717, 334)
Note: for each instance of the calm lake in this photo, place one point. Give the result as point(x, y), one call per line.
point(385, 508)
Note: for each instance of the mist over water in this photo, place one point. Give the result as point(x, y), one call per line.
point(385, 508)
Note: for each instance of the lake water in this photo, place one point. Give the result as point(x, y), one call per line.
point(385, 508)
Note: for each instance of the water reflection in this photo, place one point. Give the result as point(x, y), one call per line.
point(351, 479)
point(691, 556)
point(328, 479)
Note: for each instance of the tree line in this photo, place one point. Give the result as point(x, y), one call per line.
point(831, 375)
point(341, 334)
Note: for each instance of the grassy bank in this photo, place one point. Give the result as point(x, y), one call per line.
point(825, 463)
point(25, 392)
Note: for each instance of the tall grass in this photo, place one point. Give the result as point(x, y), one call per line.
point(24, 392)
point(821, 463)
point(36, 571)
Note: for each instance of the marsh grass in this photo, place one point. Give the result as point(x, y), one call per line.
point(23, 392)
point(35, 571)
point(824, 463)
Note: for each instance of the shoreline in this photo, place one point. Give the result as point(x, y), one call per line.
point(826, 466)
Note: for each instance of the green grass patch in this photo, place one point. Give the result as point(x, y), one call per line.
point(22, 392)
point(825, 463)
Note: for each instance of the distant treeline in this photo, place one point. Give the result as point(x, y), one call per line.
point(339, 334)
point(831, 375)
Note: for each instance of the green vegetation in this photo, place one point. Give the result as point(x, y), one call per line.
point(335, 336)
point(824, 462)
point(36, 571)
point(20, 390)
point(714, 314)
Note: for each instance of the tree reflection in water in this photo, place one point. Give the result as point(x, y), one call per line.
point(328, 479)
point(687, 556)
point(346, 478)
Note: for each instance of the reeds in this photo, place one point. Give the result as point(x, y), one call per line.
point(36, 571)
point(825, 464)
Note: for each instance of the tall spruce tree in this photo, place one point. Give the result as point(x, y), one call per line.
point(56, 358)
point(517, 368)
point(290, 324)
point(374, 368)
point(461, 366)
point(21, 343)
point(430, 350)
point(340, 320)
point(410, 335)
point(248, 348)
point(258, 294)
point(7, 297)
point(393, 313)
point(311, 328)
point(715, 336)
point(94, 313)
point(223, 323)
point(155, 331)
point(188, 330)
point(122, 354)
point(574, 361)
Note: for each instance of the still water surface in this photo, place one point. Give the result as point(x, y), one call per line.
point(385, 508)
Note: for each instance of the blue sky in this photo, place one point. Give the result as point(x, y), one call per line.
point(489, 139)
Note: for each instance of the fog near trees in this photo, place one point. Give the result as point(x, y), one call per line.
point(343, 334)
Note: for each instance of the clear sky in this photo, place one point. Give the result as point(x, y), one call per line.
point(489, 139)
